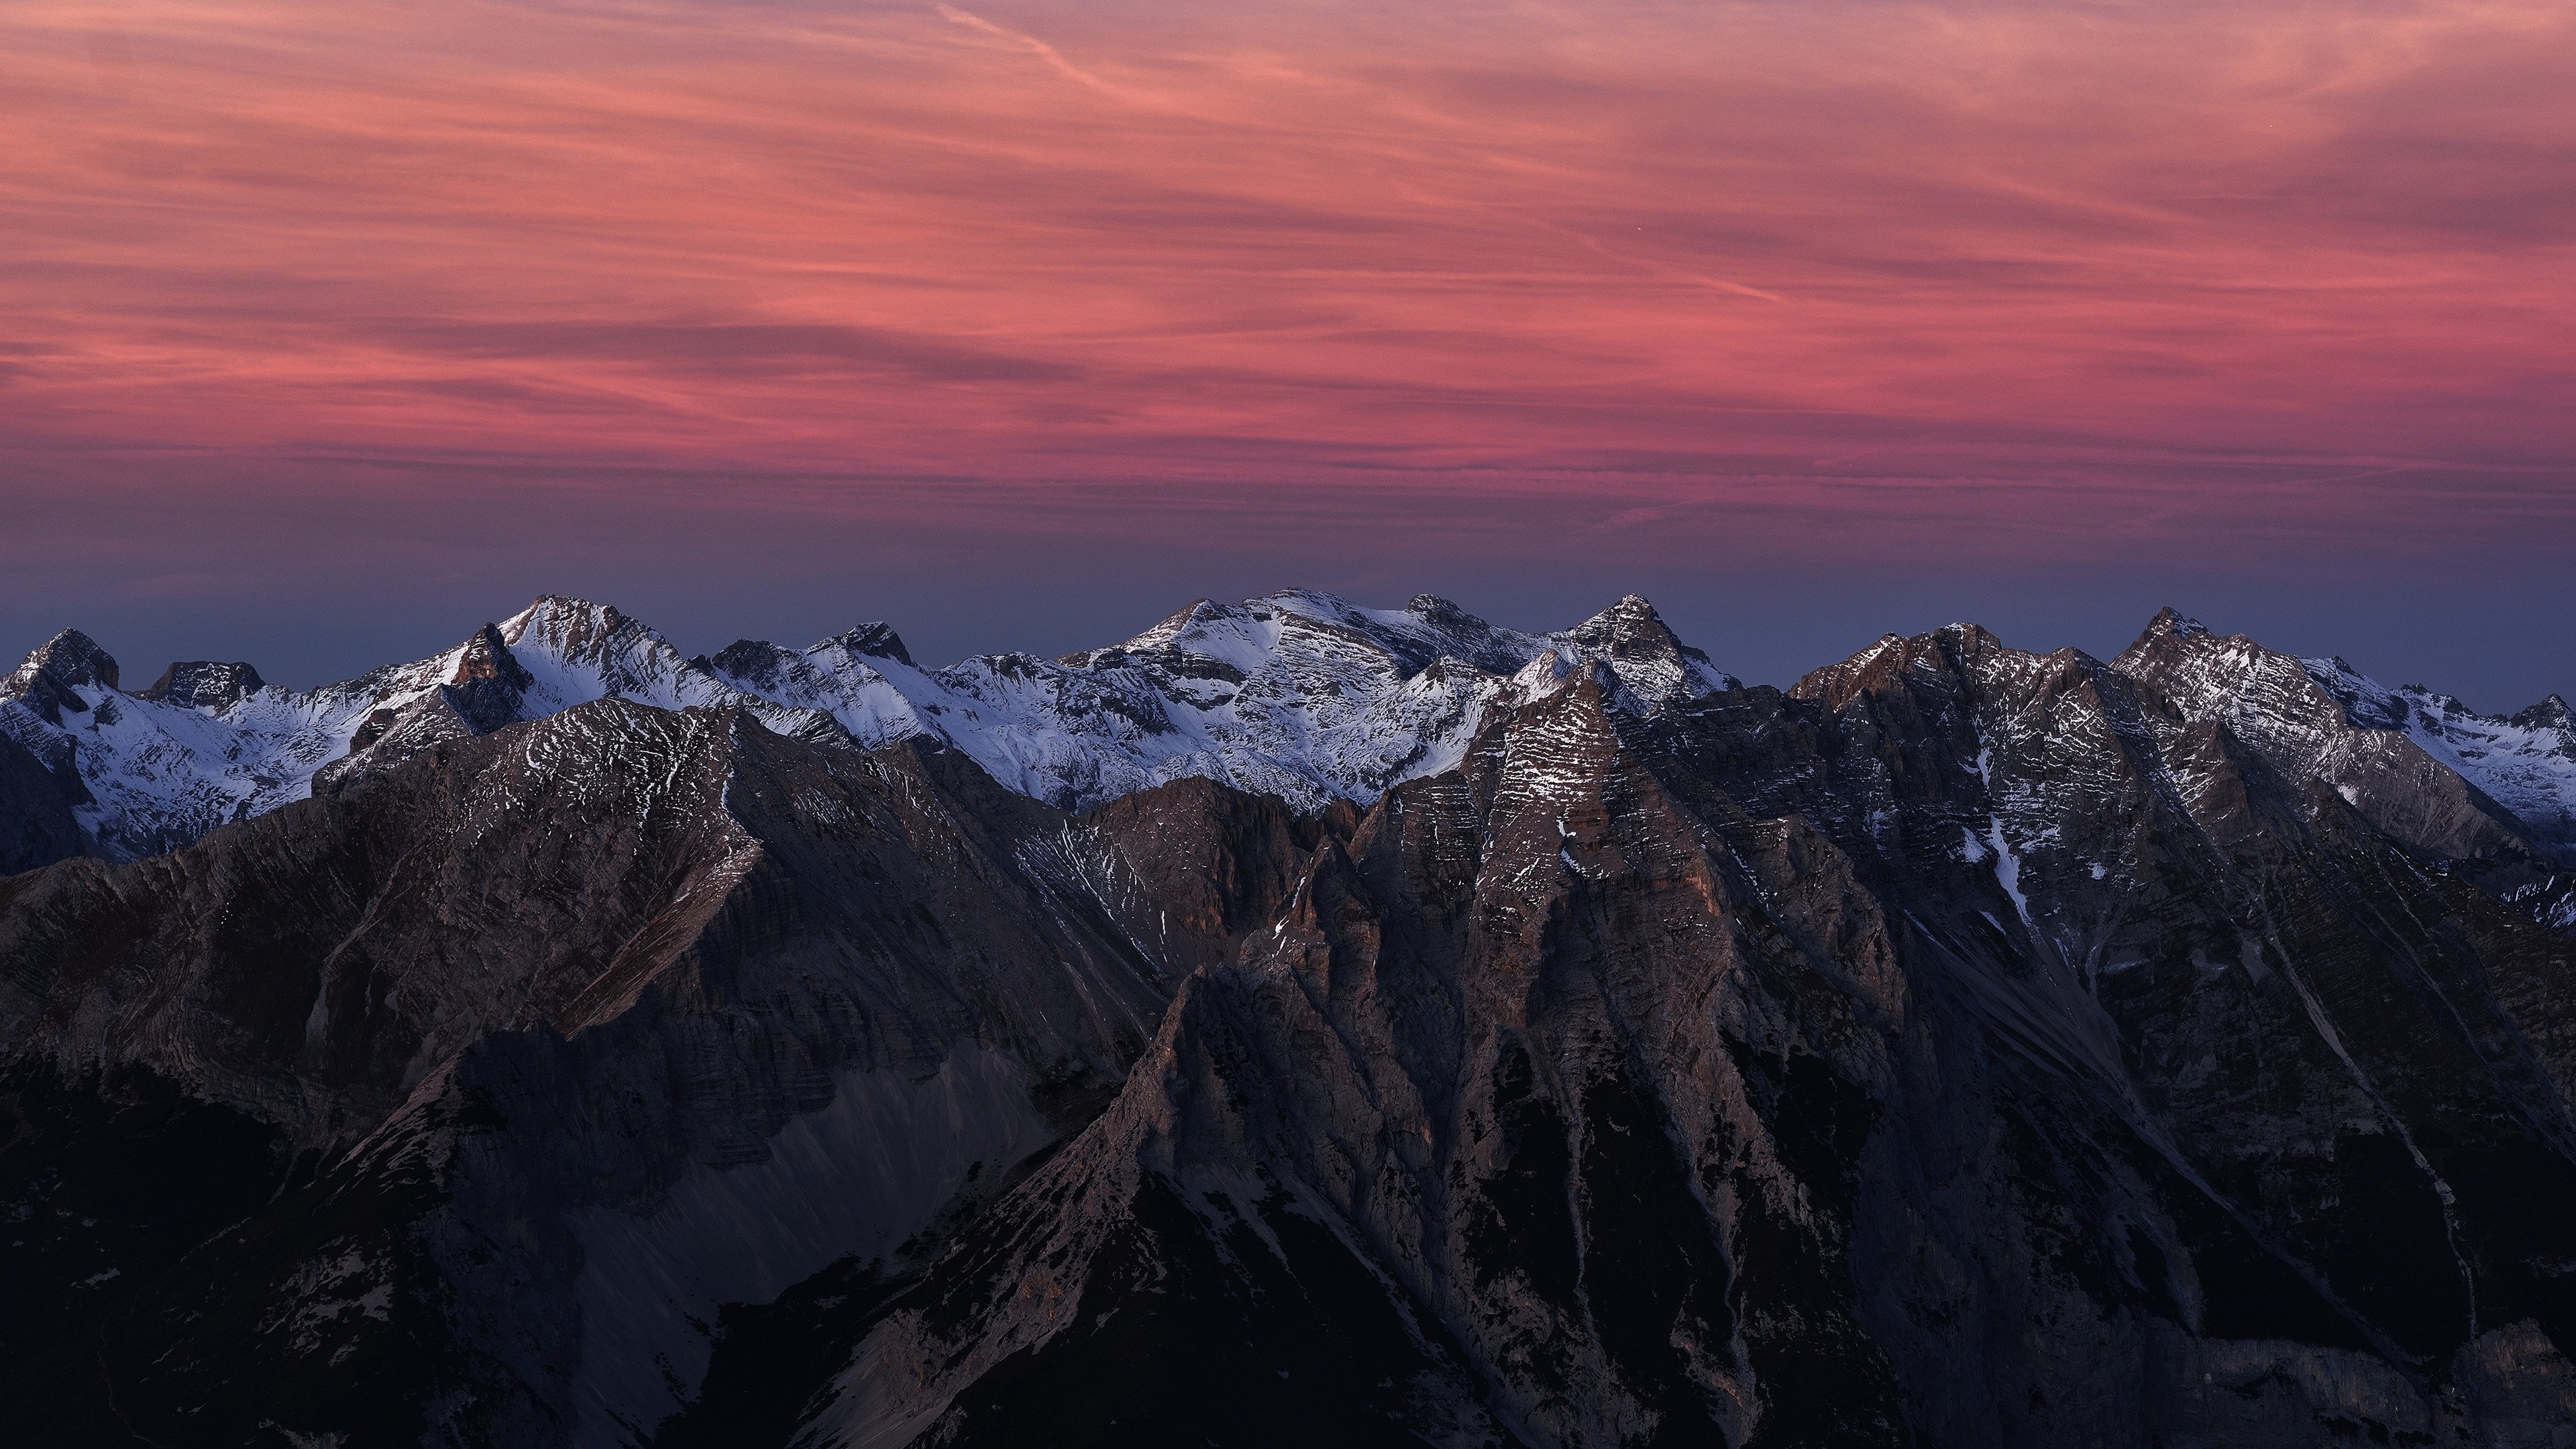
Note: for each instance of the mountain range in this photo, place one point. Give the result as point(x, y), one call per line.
point(1299, 695)
point(1300, 1022)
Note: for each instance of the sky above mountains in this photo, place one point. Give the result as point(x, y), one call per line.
point(323, 327)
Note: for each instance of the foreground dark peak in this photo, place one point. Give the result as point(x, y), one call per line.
point(1966, 1046)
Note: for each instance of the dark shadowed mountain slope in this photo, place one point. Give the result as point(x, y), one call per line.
point(36, 822)
point(1974, 1051)
point(1964, 1047)
point(514, 1062)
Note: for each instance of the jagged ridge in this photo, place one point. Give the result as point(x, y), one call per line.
point(1299, 694)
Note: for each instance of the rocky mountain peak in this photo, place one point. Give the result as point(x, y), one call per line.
point(567, 608)
point(203, 684)
point(487, 656)
point(1886, 664)
point(2551, 713)
point(2436, 784)
point(50, 680)
point(2171, 621)
point(73, 659)
point(1630, 622)
point(1648, 658)
point(1436, 610)
point(2174, 645)
point(755, 662)
point(575, 629)
point(1169, 628)
point(877, 639)
point(488, 686)
point(1969, 644)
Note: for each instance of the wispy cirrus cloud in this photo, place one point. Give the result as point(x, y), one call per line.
point(1988, 267)
point(1030, 43)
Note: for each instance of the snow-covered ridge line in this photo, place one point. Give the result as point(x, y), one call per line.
point(2525, 762)
point(2387, 752)
point(1298, 694)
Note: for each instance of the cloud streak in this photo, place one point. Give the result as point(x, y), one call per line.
point(1030, 43)
point(2112, 272)
point(1351, 228)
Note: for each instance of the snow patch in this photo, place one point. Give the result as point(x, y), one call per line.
point(2007, 866)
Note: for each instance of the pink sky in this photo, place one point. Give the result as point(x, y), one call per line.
point(1844, 283)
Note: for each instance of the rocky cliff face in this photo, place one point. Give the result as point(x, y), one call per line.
point(1963, 1047)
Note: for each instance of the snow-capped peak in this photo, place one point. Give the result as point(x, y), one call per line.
point(1171, 626)
point(71, 660)
point(2170, 621)
point(1298, 693)
point(2525, 763)
point(1649, 659)
point(2551, 713)
point(877, 638)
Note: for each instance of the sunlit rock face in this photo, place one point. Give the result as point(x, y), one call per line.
point(1962, 1047)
